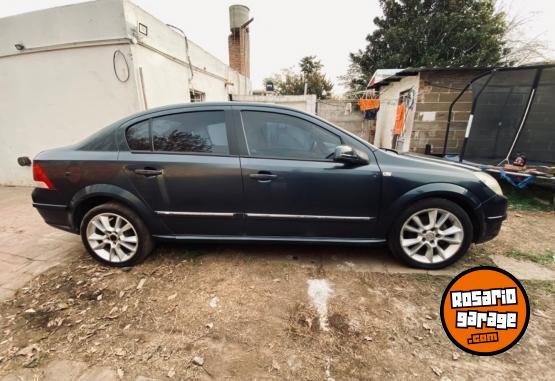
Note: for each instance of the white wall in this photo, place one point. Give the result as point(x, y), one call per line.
point(62, 87)
point(52, 99)
point(306, 103)
point(165, 82)
point(385, 120)
point(165, 46)
point(77, 23)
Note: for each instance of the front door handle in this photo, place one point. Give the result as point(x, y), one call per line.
point(263, 177)
point(148, 172)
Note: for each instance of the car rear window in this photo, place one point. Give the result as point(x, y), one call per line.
point(191, 132)
point(103, 140)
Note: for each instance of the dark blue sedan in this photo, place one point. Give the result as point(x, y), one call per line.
point(257, 172)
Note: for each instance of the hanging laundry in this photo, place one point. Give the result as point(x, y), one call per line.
point(400, 119)
point(368, 104)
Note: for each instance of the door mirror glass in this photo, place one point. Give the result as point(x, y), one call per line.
point(349, 155)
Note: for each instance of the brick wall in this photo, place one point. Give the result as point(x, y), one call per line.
point(437, 90)
point(239, 51)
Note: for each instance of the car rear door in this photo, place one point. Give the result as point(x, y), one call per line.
point(184, 165)
point(292, 186)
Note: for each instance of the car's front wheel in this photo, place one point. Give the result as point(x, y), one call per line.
point(431, 234)
point(115, 235)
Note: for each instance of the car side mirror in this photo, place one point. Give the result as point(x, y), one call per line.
point(349, 155)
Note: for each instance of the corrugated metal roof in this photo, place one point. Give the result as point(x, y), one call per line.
point(398, 74)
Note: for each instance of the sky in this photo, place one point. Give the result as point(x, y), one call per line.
point(284, 31)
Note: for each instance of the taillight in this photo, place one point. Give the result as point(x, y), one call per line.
point(40, 176)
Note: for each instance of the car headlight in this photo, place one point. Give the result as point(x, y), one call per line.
point(490, 182)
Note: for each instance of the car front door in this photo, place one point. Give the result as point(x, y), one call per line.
point(292, 186)
point(184, 165)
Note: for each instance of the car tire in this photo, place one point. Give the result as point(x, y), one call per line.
point(440, 234)
point(115, 235)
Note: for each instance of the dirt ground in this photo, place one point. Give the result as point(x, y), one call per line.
point(526, 231)
point(245, 311)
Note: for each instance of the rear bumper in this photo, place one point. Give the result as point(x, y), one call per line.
point(55, 215)
point(492, 214)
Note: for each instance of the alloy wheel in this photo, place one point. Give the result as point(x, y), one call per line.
point(112, 237)
point(432, 235)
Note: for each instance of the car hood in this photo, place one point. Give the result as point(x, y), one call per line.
point(425, 169)
point(440, 161)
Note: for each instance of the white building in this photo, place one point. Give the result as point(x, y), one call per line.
point(68, 71)
point(390, 96)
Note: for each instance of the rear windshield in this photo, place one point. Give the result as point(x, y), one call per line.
point(103, 140)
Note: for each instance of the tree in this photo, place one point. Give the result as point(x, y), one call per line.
point(290, 82)
point(447, 33)
point(523, 48)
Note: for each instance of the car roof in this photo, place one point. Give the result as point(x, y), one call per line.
point(180, 106)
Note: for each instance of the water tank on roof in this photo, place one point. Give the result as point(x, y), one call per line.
point(238, 15)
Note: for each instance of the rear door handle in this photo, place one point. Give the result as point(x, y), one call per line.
point(148, 172)
point(263, 177)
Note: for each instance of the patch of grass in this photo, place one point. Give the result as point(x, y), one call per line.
point(191, 254)
point(249, 258)
point(524, 200)
point(545, 285)
point(548, 286)
point(542, 259)
point(423, 277)
point(478, 256)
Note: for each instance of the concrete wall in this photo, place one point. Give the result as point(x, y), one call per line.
point(353, 121)
point(68, 25)
point(50, 92)
point(437, 91)
point(166, 46)
point(62, 87)
point(306, 103)
point(56, 98)
point(385, 120)
point(427, 121)
point(331, 110)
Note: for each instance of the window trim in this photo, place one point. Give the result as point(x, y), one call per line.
point(153, 151)
point(241, 111)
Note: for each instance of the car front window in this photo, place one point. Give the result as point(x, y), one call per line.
point(283, 136)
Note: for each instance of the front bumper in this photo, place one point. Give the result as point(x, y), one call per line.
point(492, 214)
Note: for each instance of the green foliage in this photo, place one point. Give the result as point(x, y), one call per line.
point(546, 285)
point(289, 82)
point(524, 200)
point(423, 277)
point(542, 259)
point(448, 33)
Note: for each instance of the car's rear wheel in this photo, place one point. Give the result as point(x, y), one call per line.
point(431, 234)
point(115, 235)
